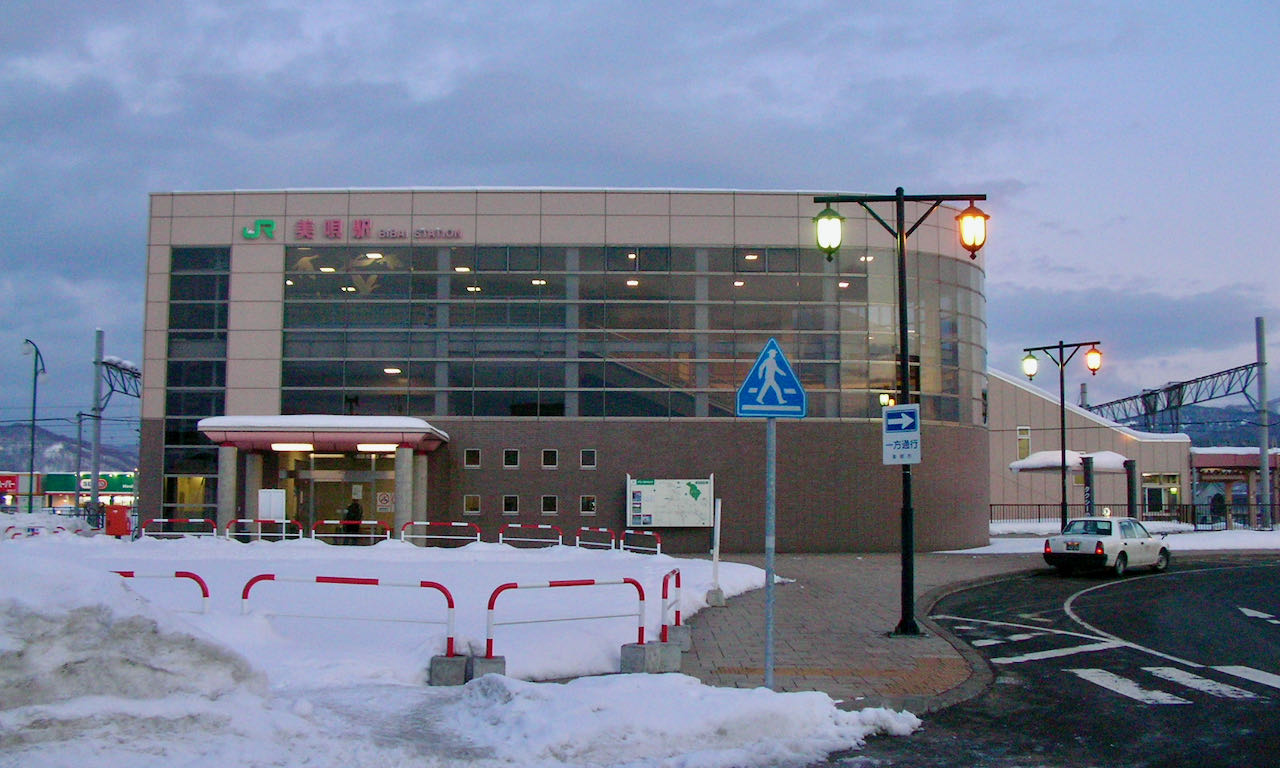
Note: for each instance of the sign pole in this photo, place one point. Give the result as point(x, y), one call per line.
point(770, 542)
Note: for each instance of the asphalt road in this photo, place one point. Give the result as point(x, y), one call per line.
point(1176, 669)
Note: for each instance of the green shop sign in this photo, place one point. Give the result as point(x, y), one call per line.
point(65, 482)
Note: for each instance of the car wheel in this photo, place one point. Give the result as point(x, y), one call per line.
point(1122, 564)
point(1162, 561)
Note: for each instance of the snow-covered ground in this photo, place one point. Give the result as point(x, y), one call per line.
point(104, 671)
point(1025, 537)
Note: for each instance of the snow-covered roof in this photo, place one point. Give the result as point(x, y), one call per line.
point(323, 431)
point(1044, 461)
point(1153, 437)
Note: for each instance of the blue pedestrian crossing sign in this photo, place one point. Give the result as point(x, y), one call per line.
point(771, 389)
point(901, 433)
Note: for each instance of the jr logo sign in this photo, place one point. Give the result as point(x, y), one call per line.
point(261, 228)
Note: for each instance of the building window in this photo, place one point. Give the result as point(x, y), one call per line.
point(587, 458)
point(471, 504)
point(510, 504)
point(471, 458)
point(1024, 442)
point(550, 458)
point(550, 505)
point(511, 458)
point(587, 505)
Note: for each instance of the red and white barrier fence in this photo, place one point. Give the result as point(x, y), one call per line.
point(491, 622)
point(204, 588)
point(674, 603)
point(202, 522)
point(629, 544)
point(449, 531)
point(448, 623)
point(504, 536)
point(352, 531)
point(23, 531)
point(592, 542)
point(284, 531)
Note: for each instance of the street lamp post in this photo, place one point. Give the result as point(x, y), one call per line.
point(973, 234)
point(37, 368)
point(1092, 361)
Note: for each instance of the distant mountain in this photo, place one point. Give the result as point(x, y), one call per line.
point(57, 453)
point(1223, 426)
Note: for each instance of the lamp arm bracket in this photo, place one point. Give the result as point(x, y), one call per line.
point(876, 216)
point(926, 215)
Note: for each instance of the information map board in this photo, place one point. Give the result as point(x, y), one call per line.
point(657, 503)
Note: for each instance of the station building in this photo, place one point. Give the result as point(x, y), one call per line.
point(515, 355)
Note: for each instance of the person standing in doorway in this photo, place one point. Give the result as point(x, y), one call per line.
point(350, 519)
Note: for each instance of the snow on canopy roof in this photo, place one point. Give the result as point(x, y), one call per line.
point(323, 431)
point(1044, 461)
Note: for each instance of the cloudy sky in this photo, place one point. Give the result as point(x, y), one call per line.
point(1127, 148)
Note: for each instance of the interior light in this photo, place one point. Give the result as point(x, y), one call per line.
point(376, 447)
point(461, 269)
point(308, 447)
point(633, 283)
point(373, 256)
point(288, 282)
point(328, 269)
point(348, 289)
point(738, 283)
point(538, 281)
point(473, 289)
point(751, 256)
point(632, 255)
point(843, 283)
point(392, 370)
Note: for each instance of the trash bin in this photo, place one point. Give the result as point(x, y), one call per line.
point(118, 521)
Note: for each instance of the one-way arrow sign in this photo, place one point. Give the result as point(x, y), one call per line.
point(901, 433)
point(901, 421)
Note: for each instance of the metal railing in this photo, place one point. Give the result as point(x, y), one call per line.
point(1204, 517)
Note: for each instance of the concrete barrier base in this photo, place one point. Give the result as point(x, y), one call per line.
point(715, 598)
point(680, 636)
point(652, 658)
point(479, 666)
point(447, 670)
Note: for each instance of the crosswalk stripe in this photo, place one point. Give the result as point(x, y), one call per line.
point(1249, 673)
point(1203, 684)
point(1057, 653)
point(1126, 687)
point(985, 643)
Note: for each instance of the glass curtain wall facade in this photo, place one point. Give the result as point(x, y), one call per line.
point(618, 332)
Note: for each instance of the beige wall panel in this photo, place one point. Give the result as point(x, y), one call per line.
point(463, 224)
point(155, 344)
point(160, 231)
point(704, 204)
point(638, 230)
point(374, 203)
point(161, 205)
point(767, 205)
point(249, 286)
point(444, 203)
point(157, 288)
point(157, 316)
point(257, 259)
point(317, 204)
point(158, 261)
point(253, 402)
point(638, 203)
point(254, 345)
point(255, 316)
point(701, 230)
point(214, 230)
point(260, 204)
point(573, 230)
point(253, 374)
point(756, 230)
point(573, 203)
point(204, 205)
point(496, 203)
point(508, 230)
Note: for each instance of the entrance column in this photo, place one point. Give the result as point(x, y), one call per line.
point(227, 496)
point(420, 486)
point(252, 483)
point(404, 488)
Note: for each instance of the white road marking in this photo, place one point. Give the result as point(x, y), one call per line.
point(1058, 652)
point(1249, 673)
point(1203, 684)
point(1258, 615)
point(1126, 687)
point(985, 643)
point(1023, 636)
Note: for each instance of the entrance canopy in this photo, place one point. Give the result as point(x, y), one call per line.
point(1051, 461)
point(321, 432)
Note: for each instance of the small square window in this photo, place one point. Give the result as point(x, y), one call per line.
point(587, 505)
point(510, 505)
point(471, 504)
point(471, 458)
point(587, 458)
point(550, 505)
point(511, 458)
point(550, 458)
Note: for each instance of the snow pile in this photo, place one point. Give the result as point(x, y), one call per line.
point(99, 670)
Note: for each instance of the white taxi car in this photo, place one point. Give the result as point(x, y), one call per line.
point(1114, 543)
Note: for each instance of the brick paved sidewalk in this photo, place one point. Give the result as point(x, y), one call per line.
point(832, 626)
